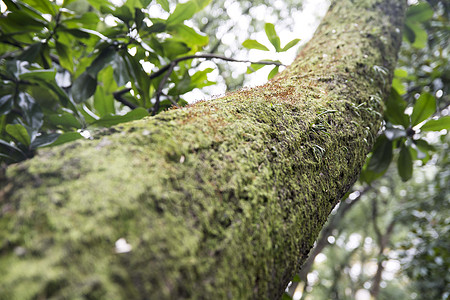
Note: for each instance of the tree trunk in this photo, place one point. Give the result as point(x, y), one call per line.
point(220, 200)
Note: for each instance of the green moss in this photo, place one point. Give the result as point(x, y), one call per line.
point(220, 200)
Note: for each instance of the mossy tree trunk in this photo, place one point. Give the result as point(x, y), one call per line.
point(220, 200)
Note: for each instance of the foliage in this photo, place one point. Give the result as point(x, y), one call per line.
point(87, 63)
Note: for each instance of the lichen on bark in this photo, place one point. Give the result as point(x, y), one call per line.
point(222, 199)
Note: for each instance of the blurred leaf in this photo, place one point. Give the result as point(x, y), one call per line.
point(201, 4)
point(121, 75)
point(188, 35)
point(42, 5)
point(254, 67)
point(31, 110)
point(272, 36)
point(103, 102)
point(65, 56)
point(31, 53)
point(164, 4)
point(19, 133)
point(101, 61)
point(11, 147)
point(173, 48)
point(44, 140)
point(405, 164)
point(425, 106)
point(108, 121)
point(183, 11)
point(395, 109)
point(273, 72)
point(253, 44)
point(41, 75)
point(66, 137)
point(420, 12)
point(64, 119)
point(416, 34)
point(83, 87)
point(437, 125)
point(6, 104)
point(394, 133)
point(290, 45)
point(381, 155)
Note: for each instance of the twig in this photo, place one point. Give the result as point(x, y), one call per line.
point(118, 96)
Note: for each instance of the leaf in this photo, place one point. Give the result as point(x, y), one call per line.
point(31, 53)
point(381, 155)
point(290, 45)
point(43, 6)
point(201, 4)
point(111, 120)
point(44, 140)
point(272, 36)
point(395, 109)
point(120, 73)
point(6, 104)
point(65, 138)
point(420, 12)
point(19, 133)
point(31, 110)
point(405, 164)
point(40, 75)
point(253, 44)
point(164, 4)
point(188, 35)
point(10, 147)
point(416, 34)
point(254, 67)
point(183, 11)
point(64, 119)
point(173, 48)
point(83, 87)
point(273, 72)
point(437, 125)
point(101, 61)
point(425, 106)
point(65, 56)
point(103, 102)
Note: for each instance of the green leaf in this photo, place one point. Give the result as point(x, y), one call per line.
point(183, 11)
point(420, 12)
point(290, 45)
point(19, 133)
point(164, 4)
point(103, 102)
point(395, 109)
point(64, 119)
point(381, 155)
point(416, 34)
point(108, 121)
point(44, 140)
point(273, 72)
point(83, 87)
point(405, 164)
point(188, 35)
point(65, 56)
point(173, 48)
point(101, 61)
point(253, 44)
point(40, 75)
point(31, 110)
point(437, 125)
point(121, 75)
point(10, 147)
point(31, 53)
point(6, 104)
point(42, 5)
point(425, 106)
point(272, 36)
point(254, 67)
point(65, 138)
point(201, 4)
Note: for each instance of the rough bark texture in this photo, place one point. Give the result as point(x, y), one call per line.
point(223, 199)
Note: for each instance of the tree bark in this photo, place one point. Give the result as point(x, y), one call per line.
point(220, 200)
